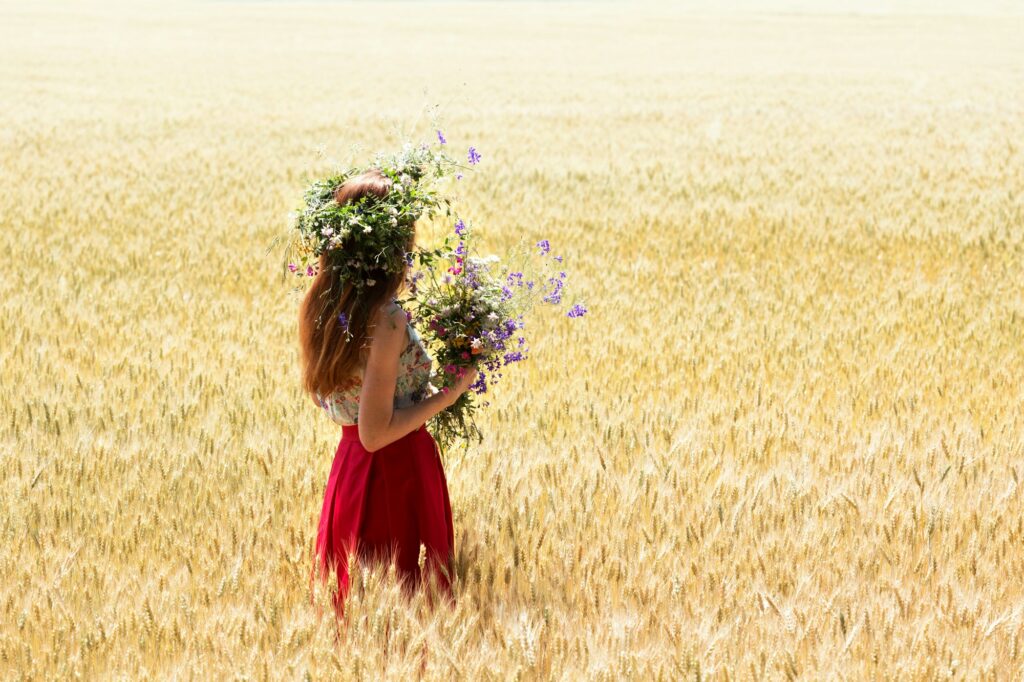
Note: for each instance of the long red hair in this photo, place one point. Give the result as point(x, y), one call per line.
point(330, 356)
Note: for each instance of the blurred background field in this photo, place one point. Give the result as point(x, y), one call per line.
point(787, 440)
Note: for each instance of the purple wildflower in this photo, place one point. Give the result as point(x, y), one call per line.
point(460, 227)
point(514, 356)
point(544, 245)
point(576, 311)
point(343, 320)
point(471, 278)
point(557, 258)
point(441, 137)
point(474, 157)
point(556, 294)
point(458, 176)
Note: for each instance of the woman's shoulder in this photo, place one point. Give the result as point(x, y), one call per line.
point(390, 324)
point(392, 315)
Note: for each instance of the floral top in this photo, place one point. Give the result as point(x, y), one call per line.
point(412, 385)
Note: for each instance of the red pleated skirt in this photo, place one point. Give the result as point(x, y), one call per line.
point(382, 506)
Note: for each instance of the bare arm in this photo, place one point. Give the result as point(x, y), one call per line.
point(379, 423)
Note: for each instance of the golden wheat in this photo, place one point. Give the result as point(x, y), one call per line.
point(786, 441)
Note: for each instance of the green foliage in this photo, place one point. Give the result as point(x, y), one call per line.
point(369, 238)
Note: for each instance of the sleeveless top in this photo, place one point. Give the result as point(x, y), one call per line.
point(412, 385)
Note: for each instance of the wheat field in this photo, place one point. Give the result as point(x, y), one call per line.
point(785, 442)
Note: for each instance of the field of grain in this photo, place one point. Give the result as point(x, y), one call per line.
point(786, 441)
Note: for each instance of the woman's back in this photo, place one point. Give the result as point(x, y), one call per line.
point(412, 384)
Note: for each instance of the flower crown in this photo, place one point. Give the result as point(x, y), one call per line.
point(370, 235)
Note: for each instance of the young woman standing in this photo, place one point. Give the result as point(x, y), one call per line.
point(366, 366)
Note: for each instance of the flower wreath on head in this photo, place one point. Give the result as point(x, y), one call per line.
point(369, 235)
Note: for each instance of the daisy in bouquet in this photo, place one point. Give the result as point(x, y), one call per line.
point(472, 311)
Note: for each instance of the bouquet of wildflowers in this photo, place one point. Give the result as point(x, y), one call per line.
point(471, 310)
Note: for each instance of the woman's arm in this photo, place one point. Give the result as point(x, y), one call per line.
point(379, 423)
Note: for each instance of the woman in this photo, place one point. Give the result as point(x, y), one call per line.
point(364, 363)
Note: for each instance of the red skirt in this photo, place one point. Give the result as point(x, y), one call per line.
point(381, 506)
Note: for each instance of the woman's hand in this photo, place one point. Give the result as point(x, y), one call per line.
point(462, 384)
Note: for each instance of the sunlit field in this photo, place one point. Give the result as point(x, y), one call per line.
point(787, 441)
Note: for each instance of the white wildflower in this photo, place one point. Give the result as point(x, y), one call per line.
point(485, 260)
point(367, 229)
